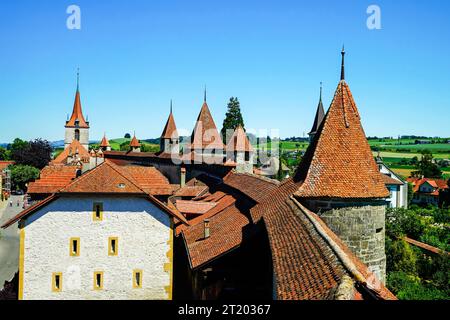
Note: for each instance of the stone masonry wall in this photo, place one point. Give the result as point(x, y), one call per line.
point(362, 228)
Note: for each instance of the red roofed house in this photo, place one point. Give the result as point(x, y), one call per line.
point(427, 190)
point(104, 144)
point(102, 236)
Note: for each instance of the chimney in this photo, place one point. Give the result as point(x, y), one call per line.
point(206, 226)
point(183, 177)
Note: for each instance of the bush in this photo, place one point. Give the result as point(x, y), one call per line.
point(407, 287)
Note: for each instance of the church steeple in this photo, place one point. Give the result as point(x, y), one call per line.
point(77, 127)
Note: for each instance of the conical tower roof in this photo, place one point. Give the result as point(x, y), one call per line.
point(339, 162)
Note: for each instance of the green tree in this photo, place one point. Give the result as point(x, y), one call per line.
point(233, 118)
point(400, 257)
point(21, 175)
point(425, 167)
point(4, 154)
point(127, 136)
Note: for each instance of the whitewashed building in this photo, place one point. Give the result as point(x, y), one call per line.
point(100, 237)
point(398, 188)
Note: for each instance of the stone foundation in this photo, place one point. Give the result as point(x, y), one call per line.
point(361, 225)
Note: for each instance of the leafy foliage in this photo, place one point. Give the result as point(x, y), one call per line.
point(22, 174)
point(425, 167)
point(35, 153)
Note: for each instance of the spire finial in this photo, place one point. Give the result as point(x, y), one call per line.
point(321, 90)
point(170, 105)
point(342, 64)
point(204, 98)
point(78, 79)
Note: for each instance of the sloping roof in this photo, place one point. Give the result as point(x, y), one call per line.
point(170, 129)
point(253, 186)
point(52, 178)
point(191, 191)
point(77, 114)
point(225, 234)
point(104, 143)
point(239, 141)
point(390, 181)
point(107, 178)
point(72, 149)
point(194, 207)
point(150, 179)
point(339, 162)
point(435, 183)
point(205, 134)
point(134, 142)
point(306, 266)
point(5, 164)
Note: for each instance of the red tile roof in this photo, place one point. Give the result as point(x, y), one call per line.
point(390, 181)
point(107, 178)
point(52, 178)
point(253, 186)
point(170, 129)
point(5, 164)
point(104, 143)
point(134, 142)
point(150, 179)
point(239, 141)
point(226, 234)
point(74, 148)
point(339, 162)
point(205, 134)
point(191, 191)
point(435, 183)
point(306, 266)
point(77, 114)
point(194, 207)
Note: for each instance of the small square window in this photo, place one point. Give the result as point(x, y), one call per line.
point(97, 214)
point(137, 279)
point(56, 281)
point(113, 246)
point(74, 245)
point(98, 280)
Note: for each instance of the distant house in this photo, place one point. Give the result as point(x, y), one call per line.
point(427, 190)
point(5, 179)
point(398, 188)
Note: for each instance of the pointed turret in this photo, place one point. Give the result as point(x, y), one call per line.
point(339, 179)
point(320, 114)
point(205, 135)
point(135, 146)
point(104, 144)
point(240, 151)
point(169, 142)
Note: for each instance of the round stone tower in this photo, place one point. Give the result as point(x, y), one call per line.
point(340, 181)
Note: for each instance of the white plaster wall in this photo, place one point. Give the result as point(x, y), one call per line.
point(143, 231)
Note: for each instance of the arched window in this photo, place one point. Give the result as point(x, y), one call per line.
point(77, 134)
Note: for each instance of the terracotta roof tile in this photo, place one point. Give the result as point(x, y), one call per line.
point(339, 162)
point(77, 114)
point(390, 181)
point(194, 207)
point(74, 148)
point(104, 143)
point(253, 186)
point(135, 143)
point(52, 178)
point(205, 134)
point(170, 129)
point(5, 164)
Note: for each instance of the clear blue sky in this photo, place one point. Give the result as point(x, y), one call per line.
point(135, 56)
